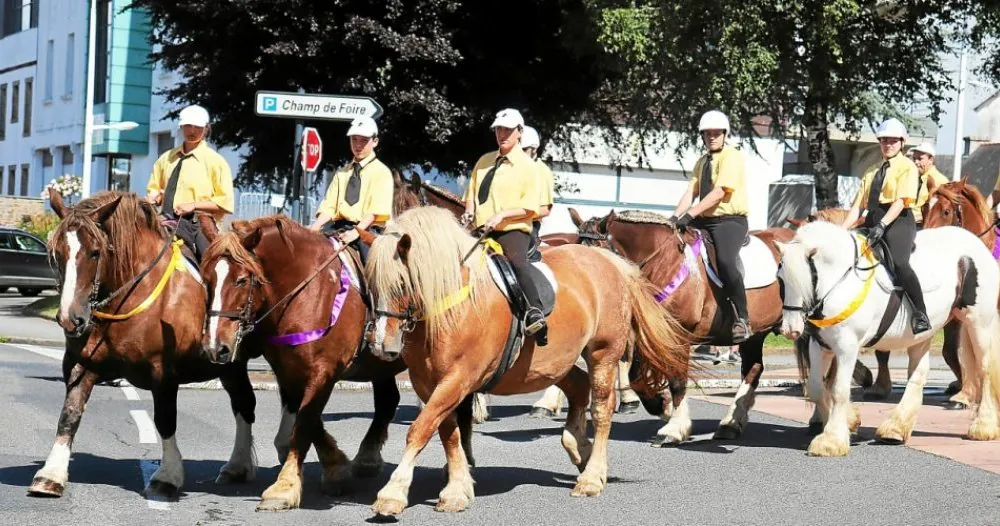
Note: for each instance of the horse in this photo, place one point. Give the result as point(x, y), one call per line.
point(832, 279)
point(960, 204)
point(132, 308)
point(265, 281)
point(443, 315)
point(672, 261)
point(830, 215)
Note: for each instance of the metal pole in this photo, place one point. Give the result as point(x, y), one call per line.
point(963, 74)
point(297, 175)
point(88, 111)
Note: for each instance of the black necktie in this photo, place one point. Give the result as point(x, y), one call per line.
point(876, 188)
point(705, 182)
point(354, 186)
point(167, 206)
point(484, 187)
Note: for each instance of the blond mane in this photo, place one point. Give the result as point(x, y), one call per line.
point(433, 270)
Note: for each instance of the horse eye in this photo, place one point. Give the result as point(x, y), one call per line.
point(94, 254)
point(241, 281)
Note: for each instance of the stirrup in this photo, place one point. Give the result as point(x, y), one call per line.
point(535, 326)
point(747, 330)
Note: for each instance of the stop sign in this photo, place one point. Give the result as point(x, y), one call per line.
point(312, 149)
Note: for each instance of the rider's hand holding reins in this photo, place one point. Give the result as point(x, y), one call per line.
point(875, 234)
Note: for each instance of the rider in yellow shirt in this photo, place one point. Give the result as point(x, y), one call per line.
point(191, 178)
point(887, 194)
point(546, 183)
point(930, 178)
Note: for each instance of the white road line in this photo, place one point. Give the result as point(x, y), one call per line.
point(130, 393)
point(148, 467)
point(147, 432)
point(48, 352)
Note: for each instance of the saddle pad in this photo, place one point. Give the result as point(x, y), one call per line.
point(759, 269)
point(190, 268)
point(922, 262)
point(542, 275)
point(346, 261)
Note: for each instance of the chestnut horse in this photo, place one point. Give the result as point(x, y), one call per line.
point(683, 289)
point(132, 308)
point(443, 314)
point(284, 288)
point(960, 204)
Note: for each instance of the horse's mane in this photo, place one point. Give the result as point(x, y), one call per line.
point(433, 270)
point(956, 190)
point(444, 193)
point(231, 244)
point(641, 216)
point(131, 215)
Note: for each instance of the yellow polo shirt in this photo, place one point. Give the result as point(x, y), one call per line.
point(902, 178)
point(515, 185)
point(925, 192)
point(728, 171)
point(375, 197)
point(204, 176)
point(546, 184)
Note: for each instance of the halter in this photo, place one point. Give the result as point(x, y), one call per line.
point(814, 312)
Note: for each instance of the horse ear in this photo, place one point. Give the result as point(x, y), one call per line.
point(102, 214)
point(56, 201)
point(575, 216)
point(416, 182)
point(602, 226)
point(251, 240)
point(397, 179)
point(403, 247)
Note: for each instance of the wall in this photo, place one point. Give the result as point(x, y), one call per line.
point(17, 64)
point(13, 209)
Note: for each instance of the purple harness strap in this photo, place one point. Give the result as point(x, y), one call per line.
point(996, 244)
point(681, 275)
point(301, 338)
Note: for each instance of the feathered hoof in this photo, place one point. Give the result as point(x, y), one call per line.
point(587, 488)
point(367, 467)
point(891, 433)
point(541, 412)
point(953, 388)
point(827, 445)
point(815, 428)
point(727, 432)
point(233, 477)
point(983, 431)
point(161, 491)
point(44, 487)
point(955, 406)
point(628, 408)
point(388, 507)
point(453, 502)
point(665, 441)
point(854, 420)
point(274, 505)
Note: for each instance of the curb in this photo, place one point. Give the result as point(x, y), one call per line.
point(34, 341)
point(405, 385)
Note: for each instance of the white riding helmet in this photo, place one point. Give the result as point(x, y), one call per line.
point(925, 147)
point(194, 115)
point(529, 138)
point(713, 120)
point(892, 128)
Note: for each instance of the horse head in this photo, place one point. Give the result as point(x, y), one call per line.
point(958, 204)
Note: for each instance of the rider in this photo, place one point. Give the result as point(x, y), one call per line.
point(360, 194)
point(530, 143)
point(191, 178)
point(888, 190)
point(930, 178)
point(720, 185)
point(502, 198)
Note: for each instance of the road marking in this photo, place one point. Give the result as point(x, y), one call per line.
point(147, 431)
point(48, 352)
point(148, 468)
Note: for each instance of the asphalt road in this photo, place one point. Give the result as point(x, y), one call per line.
point(524, 477)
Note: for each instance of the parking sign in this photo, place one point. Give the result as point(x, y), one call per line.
point(270, 104)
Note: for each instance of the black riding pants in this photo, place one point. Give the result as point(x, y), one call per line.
point(533, 250)
point(728, 234)
point(899, 238)
point(332, 228)
point(189, 230)
point(515, 247)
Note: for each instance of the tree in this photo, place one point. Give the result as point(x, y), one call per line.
point(793, 68)
point(441, 69)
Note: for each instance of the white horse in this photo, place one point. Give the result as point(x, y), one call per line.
point(831, 278)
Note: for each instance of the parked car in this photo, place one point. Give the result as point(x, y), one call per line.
point(24, 263)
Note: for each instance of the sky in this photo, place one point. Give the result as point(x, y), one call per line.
point(974, 95)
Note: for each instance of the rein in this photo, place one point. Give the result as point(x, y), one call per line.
point(816, 309)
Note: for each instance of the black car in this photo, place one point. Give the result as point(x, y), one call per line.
point(24, 263)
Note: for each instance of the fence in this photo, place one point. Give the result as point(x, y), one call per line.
point(252, 205)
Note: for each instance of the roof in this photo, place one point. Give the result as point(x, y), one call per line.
point(988, 100)
point(982, 166)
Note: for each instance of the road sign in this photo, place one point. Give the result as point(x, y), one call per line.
point(315, 106)
point(312, 149)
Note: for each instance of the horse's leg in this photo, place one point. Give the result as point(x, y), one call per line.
point(168, 479)
point(51, 480)
point(242, 464)
point(576, 385)
point(463, 414)
point(835, 441)
point(898, 427)
point(480, 408)
point(628, 401)
point(820, 363)
point(445, 398)
point(283, 438)
point(863, 375)
point(459, 493)
point(981, 336)
point(368, 462)
point(751, 353)
point(883, 382)
point(949, 351)
point(678, 428)
point(591, 482)
point(549, 405)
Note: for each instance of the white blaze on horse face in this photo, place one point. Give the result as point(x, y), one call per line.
point(69, 280)
point(221, 272)
point(380, 323)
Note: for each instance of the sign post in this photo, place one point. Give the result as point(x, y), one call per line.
point(308, 153)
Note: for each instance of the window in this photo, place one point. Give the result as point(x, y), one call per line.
point(17, 16)
point(11, 175)
point(67, 157)
point(70, 58)
point(28, 244)
point(46, 158)
point(6, 240)
point(28, 85)
point(101, 54)
point(3, 112)
point(50, 67)
point(119, 172)
point(24, 179)
point(15, 99)
point(164, 143)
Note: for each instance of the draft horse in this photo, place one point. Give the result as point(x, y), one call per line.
point(132, 308)
point(442, 313)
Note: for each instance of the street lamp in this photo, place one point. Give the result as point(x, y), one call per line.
point(116, 126)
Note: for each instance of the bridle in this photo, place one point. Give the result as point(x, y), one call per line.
point(814, 310)
point(958, 219)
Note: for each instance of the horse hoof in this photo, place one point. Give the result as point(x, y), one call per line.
point(452, 505)
point(226, 477)
point(814, 429)
point(889, 440)
point(587, 489)
point(161, 491)
point(727, 433)
point(955, 406)
point(953, 388)
point(273, 505)
point(541, 412)
point(665, 441)
point(388, 507)
point(367, 469)
point(628, 408)
point(43, 487)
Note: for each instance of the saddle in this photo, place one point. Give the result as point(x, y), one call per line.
point(761, 271)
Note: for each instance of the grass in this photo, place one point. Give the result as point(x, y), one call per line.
point(776, 342)
point(4, 339)
point(46, 307)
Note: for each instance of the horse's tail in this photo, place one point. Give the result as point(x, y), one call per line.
point(802, 359)
point(663, 345)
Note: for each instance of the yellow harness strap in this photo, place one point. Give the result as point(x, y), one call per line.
point(176, 263)
point(462, 294)
point(853, 306)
